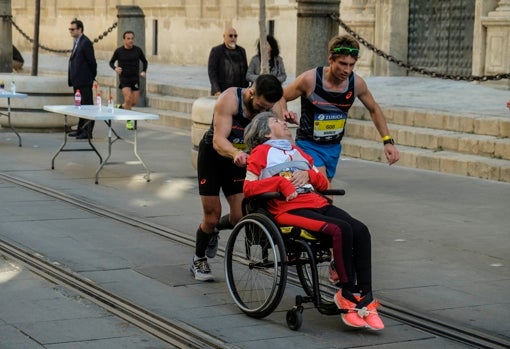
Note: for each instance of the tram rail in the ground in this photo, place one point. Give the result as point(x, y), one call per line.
point(465, 335)
point(173, 332)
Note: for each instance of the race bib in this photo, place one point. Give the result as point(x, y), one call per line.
point(328, 125)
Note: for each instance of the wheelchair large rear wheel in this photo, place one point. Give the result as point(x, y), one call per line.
point(326, 289)
point(256, 272)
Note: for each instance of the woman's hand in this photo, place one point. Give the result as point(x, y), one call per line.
point(299, 178)
point(291, 196)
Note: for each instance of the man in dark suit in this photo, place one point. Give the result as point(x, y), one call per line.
point(81, 74)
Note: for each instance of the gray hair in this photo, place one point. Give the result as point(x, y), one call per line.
point(257, 130)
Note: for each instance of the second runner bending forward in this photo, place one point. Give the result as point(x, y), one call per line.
point(277, 165)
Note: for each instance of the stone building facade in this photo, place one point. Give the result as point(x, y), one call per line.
point(183, 31)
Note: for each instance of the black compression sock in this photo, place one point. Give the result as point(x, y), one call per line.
point(201, 242)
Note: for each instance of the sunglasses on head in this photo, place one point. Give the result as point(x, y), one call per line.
point(346, 51)
point(233, 35)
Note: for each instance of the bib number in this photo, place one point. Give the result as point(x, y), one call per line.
point(327, 126)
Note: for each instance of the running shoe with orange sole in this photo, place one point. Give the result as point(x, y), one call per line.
point(348, 302)
point(368, 307)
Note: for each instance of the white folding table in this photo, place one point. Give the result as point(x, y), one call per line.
point(9, 95)
point(93, 112)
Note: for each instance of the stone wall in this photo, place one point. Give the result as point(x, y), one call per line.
point(187, 29)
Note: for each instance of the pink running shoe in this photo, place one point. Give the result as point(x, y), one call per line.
point(373, 320)
point(333, 275)
point(351, 318)
point(369, 313)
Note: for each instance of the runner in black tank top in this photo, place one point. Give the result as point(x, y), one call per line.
point(326, 94)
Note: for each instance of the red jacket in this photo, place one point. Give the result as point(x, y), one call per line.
point(263, 158)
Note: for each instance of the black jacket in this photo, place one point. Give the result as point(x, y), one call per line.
point(227, 68)
point(82, 68)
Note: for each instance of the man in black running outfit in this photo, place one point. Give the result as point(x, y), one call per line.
point(128, 58)
point(221, 163)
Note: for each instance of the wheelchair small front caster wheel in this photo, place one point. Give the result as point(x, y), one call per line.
point(295, 318)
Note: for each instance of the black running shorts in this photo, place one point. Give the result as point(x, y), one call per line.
point(216, 171)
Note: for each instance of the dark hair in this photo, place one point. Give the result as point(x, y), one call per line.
point(269, 87)
point(257, 130)
point(127, 32)
point(275, 50)
point(79, 24)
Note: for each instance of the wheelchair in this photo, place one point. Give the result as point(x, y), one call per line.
point(260, 257)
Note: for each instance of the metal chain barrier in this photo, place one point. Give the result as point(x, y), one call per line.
point(25, 35)
point(336, 17)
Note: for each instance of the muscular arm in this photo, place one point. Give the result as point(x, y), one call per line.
point(225, 107)
point(302, 86)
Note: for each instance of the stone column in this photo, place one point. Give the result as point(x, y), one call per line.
point(132, 18)
point(498, 42)
point(5, 37)
point(391, 35)
point(314, 30)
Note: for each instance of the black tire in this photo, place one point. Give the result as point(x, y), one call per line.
point(294, 318)
point(255, 268)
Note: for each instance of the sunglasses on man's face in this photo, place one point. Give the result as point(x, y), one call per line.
point(233, 35)
point(346, 51)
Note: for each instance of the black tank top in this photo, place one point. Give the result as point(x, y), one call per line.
point(324, 112)
point(239, 122)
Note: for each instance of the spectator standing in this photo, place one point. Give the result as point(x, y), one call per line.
point(82, 71)
point(276, 66)
point(227, 64)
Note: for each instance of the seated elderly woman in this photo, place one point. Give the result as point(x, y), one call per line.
point(275, 164)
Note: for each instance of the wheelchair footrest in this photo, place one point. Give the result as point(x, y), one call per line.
point(303, 299)
point(330, 309)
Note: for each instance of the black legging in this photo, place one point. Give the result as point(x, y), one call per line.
point(356, 245)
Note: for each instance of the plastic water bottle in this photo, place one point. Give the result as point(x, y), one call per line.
point(77, 99)
point(98, 101)
point(110, 104)
point(13, 87)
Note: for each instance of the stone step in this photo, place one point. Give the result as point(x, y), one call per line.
point(169, 118)
point(469, 123)
point(467, 145)
point(426, 159)
point(436, 140)
point(177, 91)
point(168, 102)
